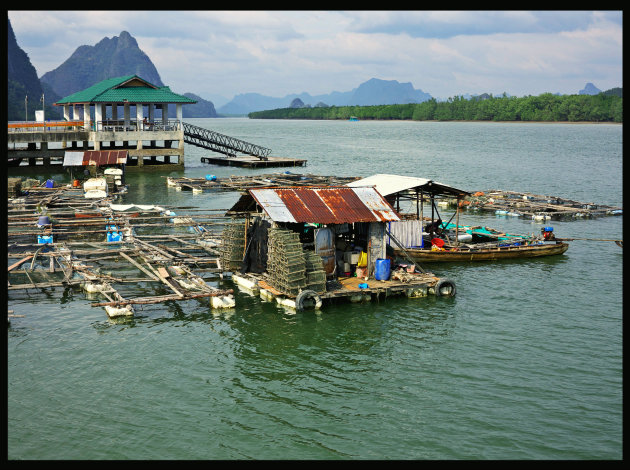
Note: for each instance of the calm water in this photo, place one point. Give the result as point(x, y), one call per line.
point(524, 363)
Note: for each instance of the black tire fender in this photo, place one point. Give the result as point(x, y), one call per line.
point(306, 295)
point(445, 283)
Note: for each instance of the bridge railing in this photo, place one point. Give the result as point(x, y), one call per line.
point(220, 143)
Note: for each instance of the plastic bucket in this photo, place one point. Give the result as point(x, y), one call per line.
point(437, 242)
point(381, 270)
point(50, 183)
point(76, 184)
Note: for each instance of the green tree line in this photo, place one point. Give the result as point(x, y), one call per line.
point(603, 107)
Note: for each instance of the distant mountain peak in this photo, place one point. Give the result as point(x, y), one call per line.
point(590, 89)
point(110, 57)
point(374, 91)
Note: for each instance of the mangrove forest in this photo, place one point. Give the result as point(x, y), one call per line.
point(547, 107)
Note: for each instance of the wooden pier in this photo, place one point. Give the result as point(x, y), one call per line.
point(248, 161)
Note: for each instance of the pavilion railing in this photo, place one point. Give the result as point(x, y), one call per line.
point(133, 125)
point(118, 125)
point(46, 126)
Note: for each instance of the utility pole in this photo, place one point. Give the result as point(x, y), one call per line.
point(25, 107)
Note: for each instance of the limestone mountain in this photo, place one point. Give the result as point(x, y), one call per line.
point(201, 109)
point(376, 91)
point(296, 103)
point(24, 88)
point(109, 58)
point(589, 89)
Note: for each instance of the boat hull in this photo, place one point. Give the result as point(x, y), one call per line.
point(488, 254)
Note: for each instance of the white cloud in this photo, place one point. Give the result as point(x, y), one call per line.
point(275, 53)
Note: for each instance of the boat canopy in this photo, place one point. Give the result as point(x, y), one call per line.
point(388, 185)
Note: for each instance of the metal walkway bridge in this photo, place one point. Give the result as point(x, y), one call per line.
point(220, 143)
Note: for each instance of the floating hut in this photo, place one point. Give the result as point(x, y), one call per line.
point(307, 246)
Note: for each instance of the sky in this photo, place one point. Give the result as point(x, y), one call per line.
point(220, 54)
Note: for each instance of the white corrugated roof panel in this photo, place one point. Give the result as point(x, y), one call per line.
point(392, 184)
point(275, 208)
point(389, 184)
point(73, 158)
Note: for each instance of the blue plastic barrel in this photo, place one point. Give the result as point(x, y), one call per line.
point(50, 183)
point(381, 270)
point(211, 177)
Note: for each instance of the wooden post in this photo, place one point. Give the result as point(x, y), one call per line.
point(457, 223)
point(421, 219)
point(417, 204)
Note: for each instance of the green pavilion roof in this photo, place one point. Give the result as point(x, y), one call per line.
point(129, 88)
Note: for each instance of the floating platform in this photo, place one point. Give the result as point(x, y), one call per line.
point(102, 246)
point(348, 289)
point(536, 206)
point(241, 183)
point(248, 161)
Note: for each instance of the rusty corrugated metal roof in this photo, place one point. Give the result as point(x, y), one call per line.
point(95, 157)
point(105, 157)
point(324, 205)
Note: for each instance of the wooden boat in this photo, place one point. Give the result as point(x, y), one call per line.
point(470, 253)
point(436, 241)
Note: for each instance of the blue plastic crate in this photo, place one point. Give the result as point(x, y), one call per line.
point(114, 237)
point(44, 239)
